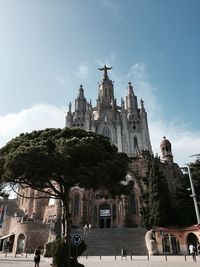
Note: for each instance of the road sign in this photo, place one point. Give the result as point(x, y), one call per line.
point(76, 239)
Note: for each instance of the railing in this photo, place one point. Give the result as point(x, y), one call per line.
point(116, 255)
point(129, 254)
point(23, 254)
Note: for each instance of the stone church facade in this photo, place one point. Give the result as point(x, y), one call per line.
point(126, 126)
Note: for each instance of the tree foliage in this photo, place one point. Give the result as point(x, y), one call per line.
point(185, 211)
point(60, 248)
point(55, 160)
point(3, 191)
point(155, 198)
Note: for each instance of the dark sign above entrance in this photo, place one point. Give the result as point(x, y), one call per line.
point(104, 213)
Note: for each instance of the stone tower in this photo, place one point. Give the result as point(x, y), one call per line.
point(166, 150)
point(126, 125)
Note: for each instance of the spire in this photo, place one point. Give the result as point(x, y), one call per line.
point(81, 92)
point(130, 89)
point(131, 99)
point(122, 103)
point(80, 101)
point(142, 105)
point(70, 107)
point(106, 90)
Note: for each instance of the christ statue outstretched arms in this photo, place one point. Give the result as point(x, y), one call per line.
point(105, 69)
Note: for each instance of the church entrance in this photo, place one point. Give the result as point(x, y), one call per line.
point(104, 216)
point(192, 239)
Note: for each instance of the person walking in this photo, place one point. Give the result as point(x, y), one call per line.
point(85, 228)
point(90, 227)
point(192, 251)
point(198, 249)
point(37, 257)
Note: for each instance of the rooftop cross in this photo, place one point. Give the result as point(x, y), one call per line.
point(105, 69)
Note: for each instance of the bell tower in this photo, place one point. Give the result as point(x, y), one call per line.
point(166, 149)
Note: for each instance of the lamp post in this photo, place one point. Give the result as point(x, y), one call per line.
point(193, 194)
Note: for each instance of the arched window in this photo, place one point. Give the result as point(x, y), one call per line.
point(135, 141)
point(95, 213)
point(76, 204)
point(114, 212)
point(106, 132)
point(132, 204)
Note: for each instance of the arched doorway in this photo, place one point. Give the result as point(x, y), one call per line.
point(104, 216)
point(192, 239)
point(20, 243)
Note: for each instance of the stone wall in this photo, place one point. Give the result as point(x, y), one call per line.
point(6, 226)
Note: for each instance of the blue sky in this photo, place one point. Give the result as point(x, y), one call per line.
point(49, 47)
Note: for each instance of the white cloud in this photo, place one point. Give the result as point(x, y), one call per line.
point(83, 71)
point(112, 7)
point(60, 80)
point(184, 141)
point(108, 61)
point(137, 71)
point(143, 88)
point(38, 117)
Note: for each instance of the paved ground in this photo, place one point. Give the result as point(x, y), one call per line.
point(106, 261)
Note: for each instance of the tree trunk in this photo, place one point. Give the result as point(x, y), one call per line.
point(66, 234)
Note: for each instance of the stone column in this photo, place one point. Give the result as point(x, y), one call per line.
point(124, 210)
point(30, 202)
point(82, 209)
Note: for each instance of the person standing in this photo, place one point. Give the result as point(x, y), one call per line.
point(198, 249)
point(37, 257)
point(192, 251)
point(85, 229)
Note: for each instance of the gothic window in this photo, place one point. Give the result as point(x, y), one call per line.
point(76, 205)
point(135, 141)
point(95, 213)
point(132, 204)
point(106, 132)
point(114, 212)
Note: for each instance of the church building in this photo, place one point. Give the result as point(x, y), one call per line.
point(126, 125)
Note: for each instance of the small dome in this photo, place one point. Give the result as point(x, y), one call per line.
point(165, 142)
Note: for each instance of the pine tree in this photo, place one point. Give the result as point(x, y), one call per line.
point(155, 198)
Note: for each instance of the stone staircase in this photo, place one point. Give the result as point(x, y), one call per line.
point(110, 241)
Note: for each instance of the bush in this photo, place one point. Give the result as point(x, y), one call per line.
point(59, 253)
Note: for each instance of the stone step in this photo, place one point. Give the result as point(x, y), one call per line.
point(110, 241)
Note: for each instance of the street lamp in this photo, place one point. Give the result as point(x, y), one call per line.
point(193, 193)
